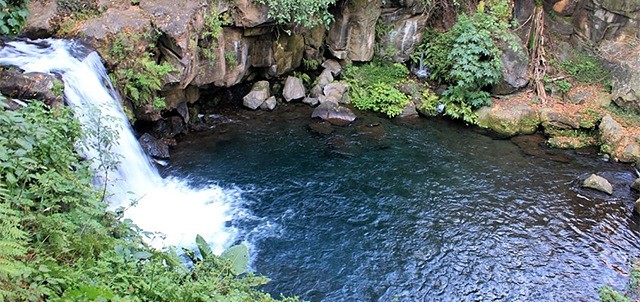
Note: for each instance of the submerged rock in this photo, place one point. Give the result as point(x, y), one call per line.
point(598, 183)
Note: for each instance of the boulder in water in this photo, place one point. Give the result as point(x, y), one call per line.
point(334, 114)
point(31, 85)
point(269, 104)
point(154, 147)
point(598, 183)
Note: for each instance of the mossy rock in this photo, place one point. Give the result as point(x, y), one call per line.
point(509, 121)
point(568, 142)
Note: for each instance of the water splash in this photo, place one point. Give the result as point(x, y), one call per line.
point(165, 206)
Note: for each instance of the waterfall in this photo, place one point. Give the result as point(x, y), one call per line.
point(167, 207)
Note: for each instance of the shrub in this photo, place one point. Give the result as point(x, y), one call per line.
point(373, 87)
point(307, 13)
point(586, 69)
point(13, 16)
point(58, 243)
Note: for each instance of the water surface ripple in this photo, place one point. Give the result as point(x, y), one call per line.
point(415, 211)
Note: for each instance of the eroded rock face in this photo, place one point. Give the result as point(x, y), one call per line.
point(515, 69)
point(598, 183)
point(406, 33)
point(352, 34)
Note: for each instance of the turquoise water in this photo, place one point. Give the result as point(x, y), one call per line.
point(420, 210)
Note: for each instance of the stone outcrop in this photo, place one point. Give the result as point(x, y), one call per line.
point(515, 69)
point(352, 34)
point(598, 183)
point(293, 89)
point(520, 119)
point(154, 147)
point(334, 114)
point(32, 85)
point(259, 94)
point(620, 146)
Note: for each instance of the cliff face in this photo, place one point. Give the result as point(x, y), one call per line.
point(221, 43)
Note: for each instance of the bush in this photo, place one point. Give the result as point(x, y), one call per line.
point(373, 87)
point(13, 16)
point(58, 243)
point(586, 69)
point(307, 13)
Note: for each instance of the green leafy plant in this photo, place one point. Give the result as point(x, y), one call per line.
point(429, 102)
point(13, 16)
point(587, 69)
point(307, 13)
point(58, 242)
point(210, 35)
point(230, 59)
point(373, 87)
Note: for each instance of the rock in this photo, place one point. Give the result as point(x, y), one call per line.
point(311, 101)
point(258, 94)
point(334, 114)
point(154, 147)
point(558, 120)
point(352, 34)
point(177, 126)
point(578, 97)
point(316, 91)
point(611, 132)
point(408, 111)
point(515, 69)
point(628, 150)
point(31, 85)
point(269, 104)
point(336, 91)
point(333, 66)
point(232, 60)
point(293, 89)
point(314, 43)
point(625, 82)
point(566, 142)
point(509, 121)
point(325, 78)
point(321, 127)
point(636, 185)
point(405, 35)
point(288, 51)
point(598, 183)
point(41, 17)
point(636, 206)
point(250, 14)
point(101, 31)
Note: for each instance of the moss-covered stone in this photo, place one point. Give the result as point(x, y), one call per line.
point(519, 119)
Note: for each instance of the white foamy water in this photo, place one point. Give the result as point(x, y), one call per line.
point(166, 206)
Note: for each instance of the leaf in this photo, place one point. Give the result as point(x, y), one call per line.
point(203, 246)
point(239, 256)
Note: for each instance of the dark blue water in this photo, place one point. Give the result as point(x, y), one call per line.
point(421, 210)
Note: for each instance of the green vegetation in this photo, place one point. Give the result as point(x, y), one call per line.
point(429, 102)
point(57, 242)
point(210, 35)
point(70, 13)
point(139, 79)
point(586, 69)
point(13, 16)
point(632, 292)
point(372, 86)
point(467, 58)
point(307, 13)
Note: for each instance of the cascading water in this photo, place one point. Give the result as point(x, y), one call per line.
point(165, 206)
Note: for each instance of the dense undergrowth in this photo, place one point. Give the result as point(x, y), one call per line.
point(58, 242)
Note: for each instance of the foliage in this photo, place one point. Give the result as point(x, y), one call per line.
point(230, 59)
point(138, 78)
point(59, 244)
point(558, 86)
point(632, 292)
point(70, 13)
point(307, 13)
point(587, 69)
point(210, 35)
point(310, 64)
point(13, 16)
point(373, 87)
point(467, 57)
point(608, 294)
point(429, 102)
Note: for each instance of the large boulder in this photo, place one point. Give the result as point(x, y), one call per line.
point(41, 18)
point(288, 51)
point(293, 89)
point(598, 183)
point(405, 34)
point(614, 141)
point(352, 34)
point(154, 147)
point(32, 85)
point(334, 114)
point(611, 132)
point(515, 69)
point(625, 83)
point(509, 120)
point(258, 94)
point(250, 14)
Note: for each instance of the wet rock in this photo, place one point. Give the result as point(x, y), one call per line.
point(520, 119)
point(293, 89)
point(288, 51)
point(409, 111)
point(406, 33)
point(258, 94)
point(269, 104)
point(352, 34)
point(322, 127)
point(598, 183)
point(567, 142)
point(154, 147)
point(31, 85)
point(334, 114)
point(636, 206)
